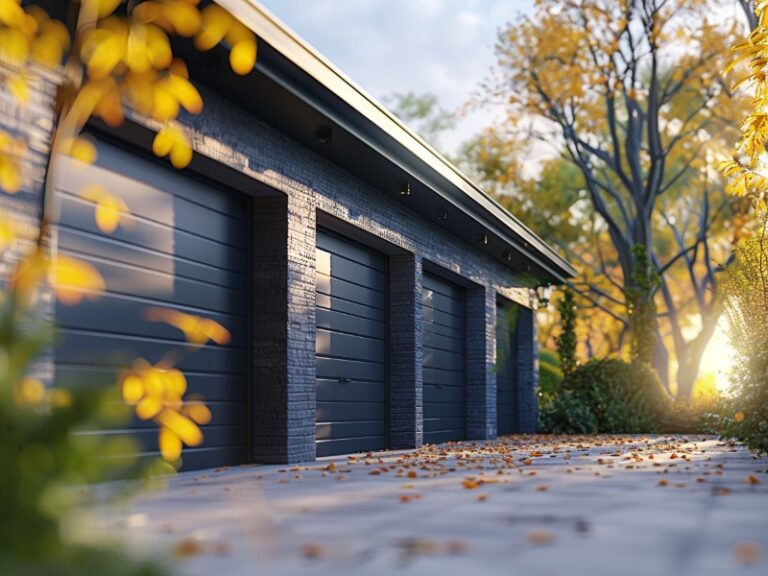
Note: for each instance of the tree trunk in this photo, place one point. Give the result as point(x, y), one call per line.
point(689, 358)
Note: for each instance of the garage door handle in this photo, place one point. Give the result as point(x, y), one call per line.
point(438, 386)
point(344, 380)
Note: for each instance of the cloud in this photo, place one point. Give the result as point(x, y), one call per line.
point(386, 46)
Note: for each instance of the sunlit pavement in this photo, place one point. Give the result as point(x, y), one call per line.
point(544, 506)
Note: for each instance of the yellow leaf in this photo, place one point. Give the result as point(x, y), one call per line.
point(18, 87)
point(72, 279)
point(102, 51)
point(176, 383)
point(242, 57)
point(133, 389)
point(10, 177)
point(162, 144)
point(30, 392)
point(739, 416)
point(215, 23)
point(181, 154)
point(106, 7)
point(183, 427)
point(148, 407)
point(170, 445)
point(109, 210)
point(54, 29)
point(14, 46)
point(187, 95)
point(7, 233)
point(47, 51)
point(198, 412)
point(11, 13)
point(166, 107)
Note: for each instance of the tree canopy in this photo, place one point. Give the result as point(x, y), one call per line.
point(631, 94)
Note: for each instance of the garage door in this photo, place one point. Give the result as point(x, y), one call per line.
point(506, 388)
point(183, 248)
point(444, 365)
point(350, 347)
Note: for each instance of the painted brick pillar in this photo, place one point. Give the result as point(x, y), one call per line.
point(283, 398)
point(481, 364)
point(527, 366)
point(405, 409)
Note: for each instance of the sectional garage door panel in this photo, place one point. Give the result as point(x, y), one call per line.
point(350, 347)
point(444, 374)
point(506, 388)
point(183, 247)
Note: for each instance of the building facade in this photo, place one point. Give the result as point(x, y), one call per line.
point(376, 299)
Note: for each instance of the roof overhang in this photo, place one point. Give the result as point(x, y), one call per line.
point(465, 209)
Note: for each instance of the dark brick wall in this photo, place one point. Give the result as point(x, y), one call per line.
point(283, 331)
point(405, 406)
point(527, 366)
point(311, 183)
point(481, 358)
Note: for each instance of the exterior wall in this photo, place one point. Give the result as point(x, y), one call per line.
point(481, 363)
point(283, 399)
point(527, 365)
point(236, 139)
point(406, 425)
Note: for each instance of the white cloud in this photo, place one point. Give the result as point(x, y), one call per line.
point(386, 46)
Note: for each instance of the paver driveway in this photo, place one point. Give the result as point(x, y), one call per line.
point(617, 506)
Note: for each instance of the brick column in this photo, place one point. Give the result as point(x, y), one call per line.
point(481, 364)
point(527, 367)
point(283, 399)
point(405, 407)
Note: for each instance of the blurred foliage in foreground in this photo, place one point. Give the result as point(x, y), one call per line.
point(746, 309)
point(45, 462)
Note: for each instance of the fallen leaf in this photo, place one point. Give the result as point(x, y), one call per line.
point(747, 552)
point(187, 547)
point(752, 480)
point(481, 497)
point(539, 537)
point(312, 551)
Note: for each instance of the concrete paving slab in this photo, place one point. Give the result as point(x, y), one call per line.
point(533, 505)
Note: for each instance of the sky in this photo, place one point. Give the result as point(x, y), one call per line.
point(389, 46)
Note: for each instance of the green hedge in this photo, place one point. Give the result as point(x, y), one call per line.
point(608, 396)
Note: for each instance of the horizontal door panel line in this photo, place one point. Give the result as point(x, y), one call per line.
point(356, 302)
point(102, 260)
point(373, 436)
point(347, 358)
point(170, 343)
point(153, 303)
point(443, 310)
point(345, 256)
point(378, 313)
point(139, 248)
point(111, 370)
point(459, 352)
point(347, 333)
point(158, 224)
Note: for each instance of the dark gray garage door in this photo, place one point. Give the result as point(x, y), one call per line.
point(351, 347)
point(183, 248)
point(506, 382)
point(444, 364)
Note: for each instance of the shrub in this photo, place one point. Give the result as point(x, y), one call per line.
point(746, 309)
point(609, 396)
point(568, 413)
point(624, 397)
point(566, 341)
point(550, 377)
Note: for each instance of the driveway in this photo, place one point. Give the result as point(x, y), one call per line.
point(548, 506)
